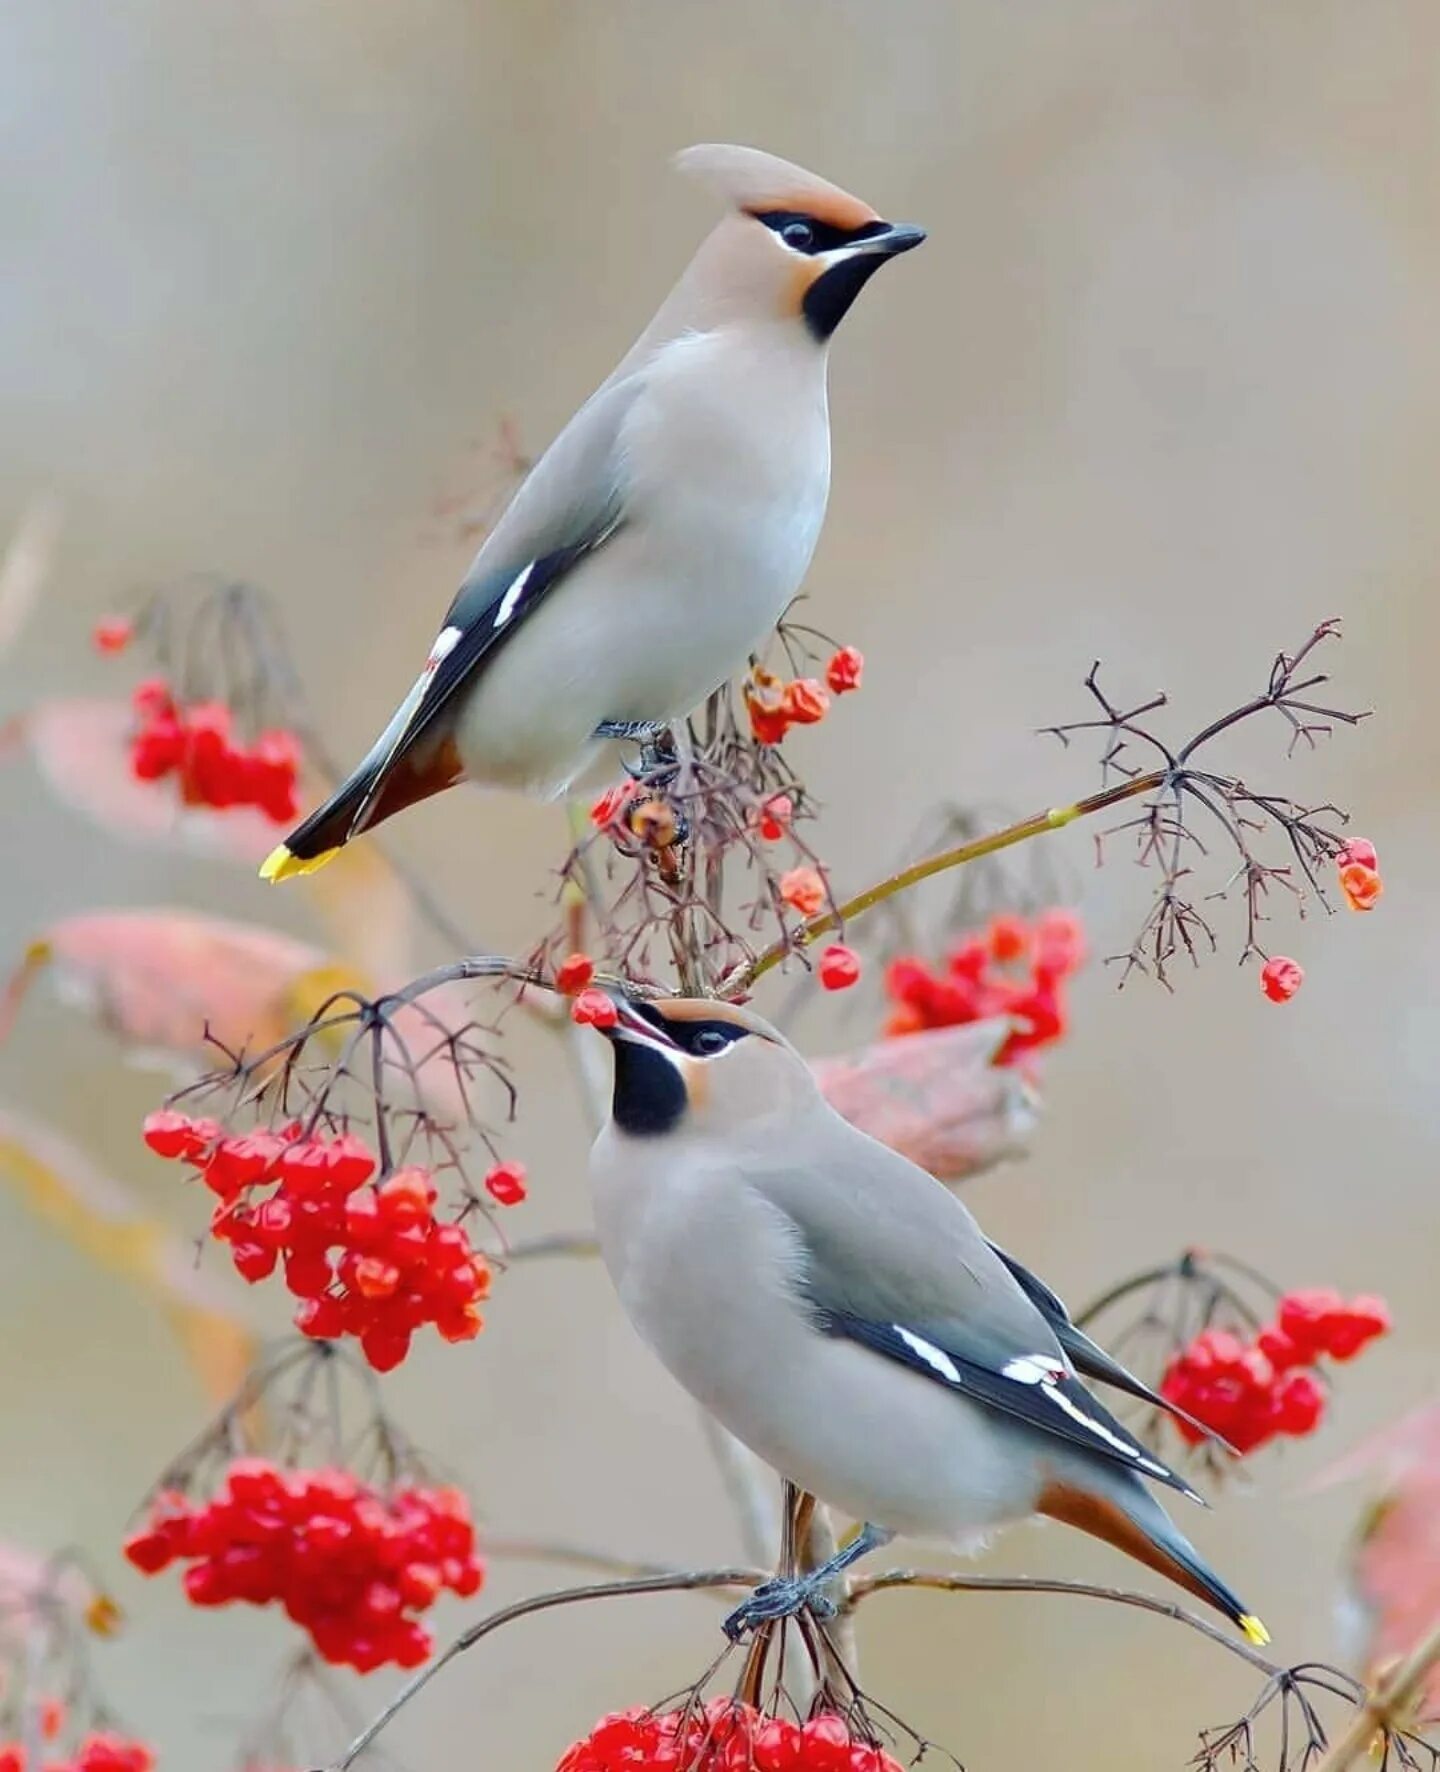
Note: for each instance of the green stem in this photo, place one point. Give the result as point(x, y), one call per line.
point(741, 978)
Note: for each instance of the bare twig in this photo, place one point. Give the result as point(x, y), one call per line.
point(683, 1582)
point(1026, 1584)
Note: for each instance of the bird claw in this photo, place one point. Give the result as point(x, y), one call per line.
point(778, 1599)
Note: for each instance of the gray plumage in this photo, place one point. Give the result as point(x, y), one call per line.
point(842, 1313)
point(659, 539)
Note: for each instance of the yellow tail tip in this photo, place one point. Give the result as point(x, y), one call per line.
point(1255, 1632)
point(281, 864)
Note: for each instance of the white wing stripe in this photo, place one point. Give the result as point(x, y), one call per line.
point(513, 596)
point(932, 1356)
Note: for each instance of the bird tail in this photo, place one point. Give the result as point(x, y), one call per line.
point(323, 835)
point(1117, 1507)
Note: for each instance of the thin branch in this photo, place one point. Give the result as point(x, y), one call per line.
point(684, 1582)
point(1027, 1584)
point(741, 978)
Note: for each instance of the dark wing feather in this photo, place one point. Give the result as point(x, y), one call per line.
point(1030, 1388)
point(482, 617)
point(1089, 1357)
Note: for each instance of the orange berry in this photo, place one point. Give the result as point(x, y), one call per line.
point(803, 890)
point(1361, 885)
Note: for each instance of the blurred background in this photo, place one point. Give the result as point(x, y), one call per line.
point(1163, 388)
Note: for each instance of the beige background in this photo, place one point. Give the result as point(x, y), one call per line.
point(1164, 387)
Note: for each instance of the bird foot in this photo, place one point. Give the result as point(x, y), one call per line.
point(779, 1599)
point(640, 731)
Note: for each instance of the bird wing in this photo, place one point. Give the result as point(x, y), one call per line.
point(890, 1259)
point(1089, 1358)
point(570, 504)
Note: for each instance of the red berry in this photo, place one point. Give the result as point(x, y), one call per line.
point(1359, 851)
point(407, 1197)
point(1306, 1317)
point(839, 967)
point(113, 633)
point(1280, 978)
point(166, 1132)
point(1280, 1349)
point(505, 1183)
point(772, 818)
point(323, 1319)
point(1300, 1403)
point(351, 1161)
point(574, 973)
point(845, 669)
point(150, 1551)
point(375, 1278)
point(253, 1261)
point(1355, 1325)
point(594, 1008)
point(385, 1348)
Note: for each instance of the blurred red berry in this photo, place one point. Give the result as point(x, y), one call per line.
point(803, 890)
point(113, 633)
point(839, 967)
point(608, 810)
point(845, 669)
point(806, 701)
point(1300, 1403)
point(1280, 978)
point(1008, 939)
point(573, 973)
point(594, 1008)
point(772, 819)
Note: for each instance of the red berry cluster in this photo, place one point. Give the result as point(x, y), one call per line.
point(775, 705)
point(196, 744)
point(350, 1565)
point(96, 1753)
point(1255, 1393)
point(1015, 967)
point(722, 1736)
point(365, 1259)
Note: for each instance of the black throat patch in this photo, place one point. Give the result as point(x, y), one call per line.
point(828, 299)
point(650, 1093)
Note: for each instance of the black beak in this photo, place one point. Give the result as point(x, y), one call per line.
point(828, 299)
point(898, 237)
point(636, 1028)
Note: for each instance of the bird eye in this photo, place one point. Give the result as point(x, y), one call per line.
point(798, 234)
point(708, 1041)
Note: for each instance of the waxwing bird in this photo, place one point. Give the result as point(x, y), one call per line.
point(659, 539)
point(843, 1315)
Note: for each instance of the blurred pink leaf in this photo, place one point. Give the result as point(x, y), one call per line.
point(936, 1097)
point(102, 1219)
point(82, 749)
point(158, 977)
